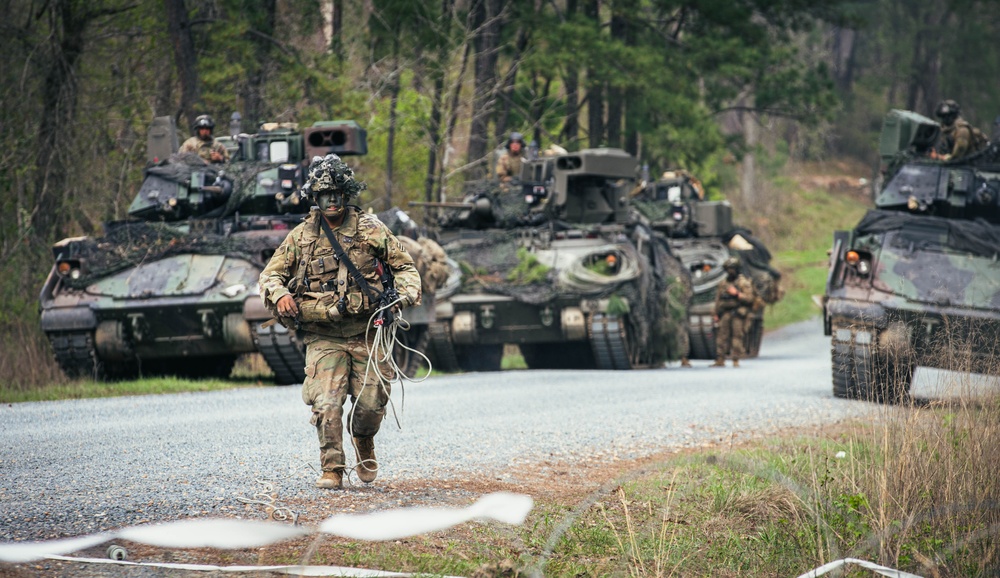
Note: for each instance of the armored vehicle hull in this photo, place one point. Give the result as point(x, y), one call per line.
point(916, 282)
point(702, 236)
point(174, 290)
point(558, 267)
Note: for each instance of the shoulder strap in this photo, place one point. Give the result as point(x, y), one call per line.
point(346, 262)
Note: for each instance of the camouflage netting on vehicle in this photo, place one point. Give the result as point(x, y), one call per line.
point(507, 207)
point(757, 259)
point(179, 168)
point(131, 243)
point(977, 237)
point(654, 296)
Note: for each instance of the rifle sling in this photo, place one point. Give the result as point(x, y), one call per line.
point(373, 294)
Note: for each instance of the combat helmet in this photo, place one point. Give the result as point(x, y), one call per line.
point(947, 111)
point(515, 137)
point(204, 121)
point(331, 174)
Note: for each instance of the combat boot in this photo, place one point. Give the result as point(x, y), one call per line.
point(685, 362)
point(367, 467)
point(720, 362)
point(331, 480)
point(736, 363)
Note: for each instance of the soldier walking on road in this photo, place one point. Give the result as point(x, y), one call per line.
point(733, 303)
point(330, 278)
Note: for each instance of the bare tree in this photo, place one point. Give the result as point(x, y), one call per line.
point(185, 59)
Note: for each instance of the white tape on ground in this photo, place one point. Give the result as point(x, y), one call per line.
point(396, 524)
point(890, 572)
point(232, 534)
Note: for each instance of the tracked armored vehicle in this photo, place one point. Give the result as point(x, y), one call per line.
point(555, 264)
point(916, 282)
point(702, 236)
point(173, 289)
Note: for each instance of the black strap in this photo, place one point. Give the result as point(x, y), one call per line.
point(373, 294)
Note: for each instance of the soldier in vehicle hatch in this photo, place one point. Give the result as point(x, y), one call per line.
point(958, 138)
point(734, 301)
point(509, 164)
point(203, 143)
point(329, 278)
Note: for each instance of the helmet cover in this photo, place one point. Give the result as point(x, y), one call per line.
point(331, 174)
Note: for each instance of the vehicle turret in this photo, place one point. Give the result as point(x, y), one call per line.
point(554, 262)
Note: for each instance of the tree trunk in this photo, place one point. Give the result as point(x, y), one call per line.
point(437, 102)
point(843, 58)
point(261, 35)
point(595, 87)
point(59, 99)
point(571, 84)
point(179, 29)
point(391, 137)
point(485, 26)
point(748, 180)
point(616, 95)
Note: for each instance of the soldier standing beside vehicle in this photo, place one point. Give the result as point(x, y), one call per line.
point(509, 164)
point(734, 301)
point(958, 138)
point(323, 276)
point(203, 143)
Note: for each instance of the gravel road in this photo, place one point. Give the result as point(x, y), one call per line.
point(76, 467)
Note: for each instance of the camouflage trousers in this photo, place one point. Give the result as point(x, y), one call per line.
point(335, 368)
point(730, 335)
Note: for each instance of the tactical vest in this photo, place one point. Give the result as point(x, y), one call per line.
point(330, 301)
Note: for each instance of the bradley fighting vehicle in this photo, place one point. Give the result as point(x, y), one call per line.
point(917, 281)
point(702, 236)
point(555, 264)
point(173, 289)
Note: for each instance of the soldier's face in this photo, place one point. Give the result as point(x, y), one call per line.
point(204, 133)
point(515, 147)
point(332, 203)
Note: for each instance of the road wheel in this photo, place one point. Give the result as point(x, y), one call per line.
point(479, 357)
point(754, 336)
point(850, 371)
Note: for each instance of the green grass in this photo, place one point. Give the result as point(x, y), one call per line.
point(82, 389)
point(803, 279)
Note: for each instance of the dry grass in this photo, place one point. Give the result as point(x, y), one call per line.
point(915, 487)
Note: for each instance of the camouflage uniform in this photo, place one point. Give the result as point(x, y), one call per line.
point(733, 311)
point(957, 140)
point(509, 166)
point(204, 148)
point(337, 357)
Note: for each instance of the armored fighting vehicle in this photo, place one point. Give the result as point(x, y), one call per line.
point(916, 282)
point(173, 289)
point(702, 236)
point(555, 264)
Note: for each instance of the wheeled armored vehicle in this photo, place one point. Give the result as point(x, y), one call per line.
point(916, 282)
point(555, 264)
point(173, 289)
point(702, 235)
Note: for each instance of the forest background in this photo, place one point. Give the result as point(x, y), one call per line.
point(717, 88)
